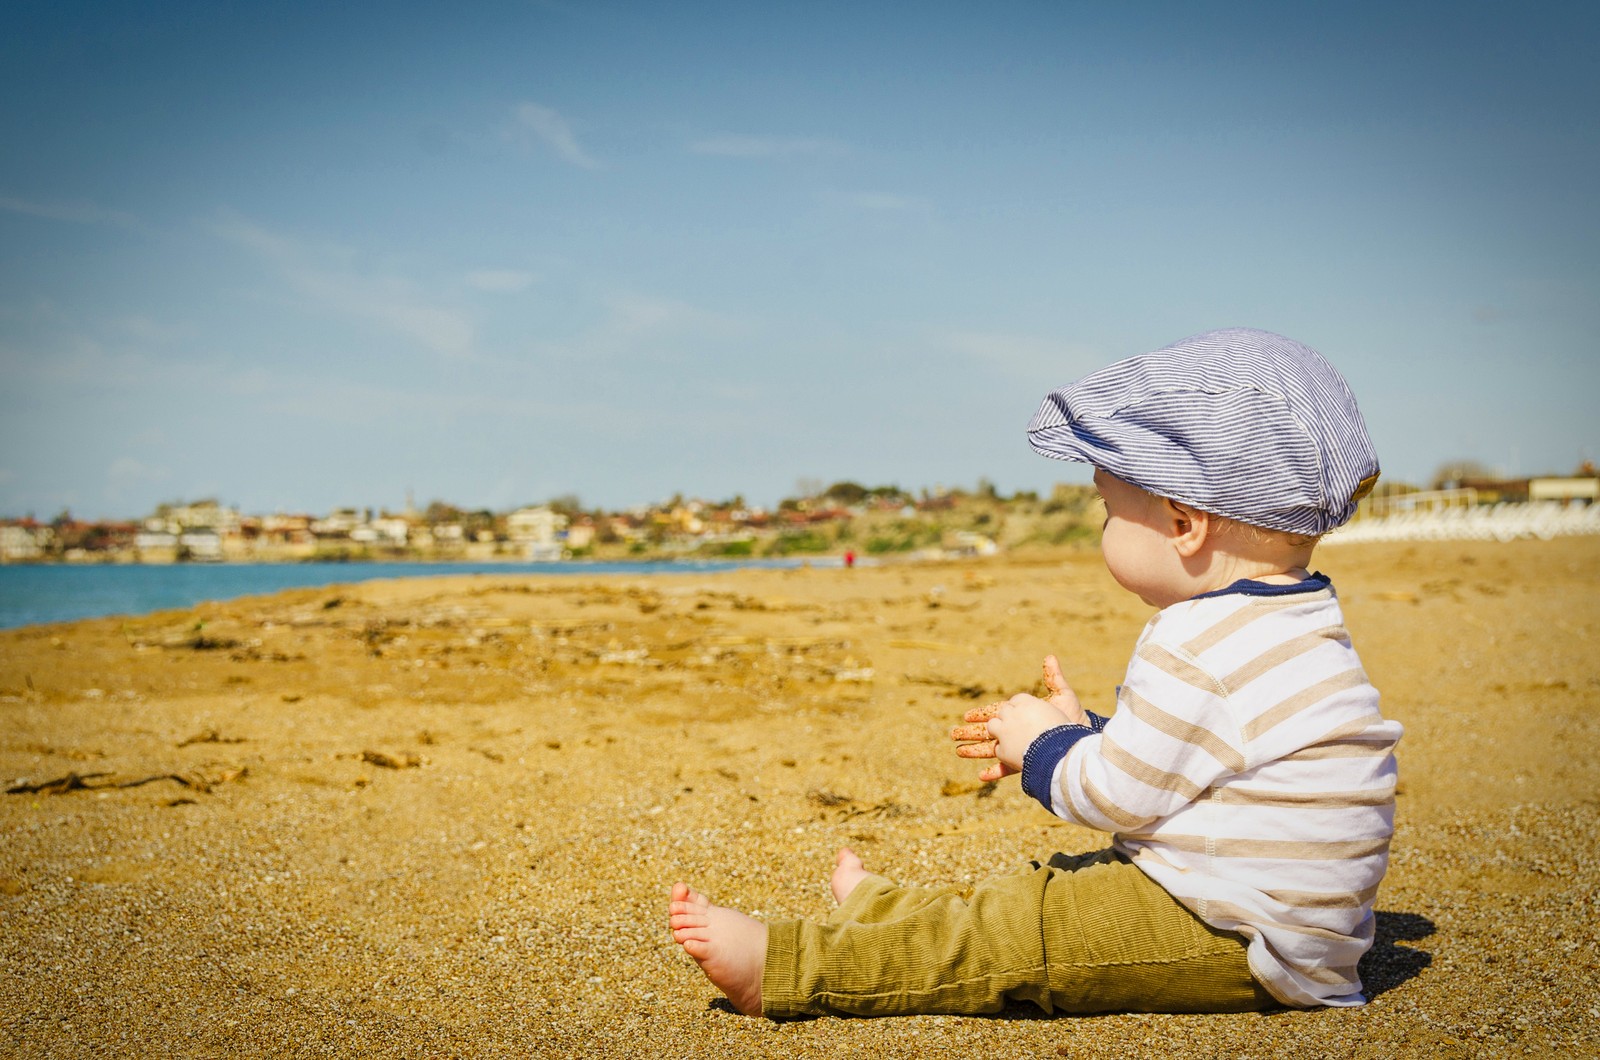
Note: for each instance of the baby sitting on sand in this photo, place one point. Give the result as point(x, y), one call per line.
point(1247, 777)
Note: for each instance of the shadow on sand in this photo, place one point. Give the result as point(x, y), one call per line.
point(1388, 963)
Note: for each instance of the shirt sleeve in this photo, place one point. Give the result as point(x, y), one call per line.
point(1150, 760)
point(1044, 755)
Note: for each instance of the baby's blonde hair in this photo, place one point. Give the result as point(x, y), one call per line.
point(1262, 536)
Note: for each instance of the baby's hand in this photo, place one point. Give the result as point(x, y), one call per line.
point(975, 740)
point(1003, 731)
point(1010, 727)
point(1062, 697)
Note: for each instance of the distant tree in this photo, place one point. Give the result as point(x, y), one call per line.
point(846, 493)
point(97, 537)
point(475, 522)
point(441, 512)
point(567, 504)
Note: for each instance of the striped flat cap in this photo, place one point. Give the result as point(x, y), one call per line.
point(1238, 422)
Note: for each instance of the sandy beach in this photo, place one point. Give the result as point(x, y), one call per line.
point(439, 817)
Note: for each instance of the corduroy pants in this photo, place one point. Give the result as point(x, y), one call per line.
point(1082, 933)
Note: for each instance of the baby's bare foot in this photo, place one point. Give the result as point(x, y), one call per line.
point(847, 872)
point(730, 948)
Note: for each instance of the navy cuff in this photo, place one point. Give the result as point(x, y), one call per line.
point(1096, 722)
point(1045, 753)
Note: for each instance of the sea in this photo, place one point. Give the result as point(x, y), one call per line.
point(34, 594)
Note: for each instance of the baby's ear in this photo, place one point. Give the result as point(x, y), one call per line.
point(1188, 527)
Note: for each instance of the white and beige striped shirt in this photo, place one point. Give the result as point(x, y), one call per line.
point(1248, 771)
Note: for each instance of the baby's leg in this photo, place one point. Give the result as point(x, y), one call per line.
point(892, 950)
point(1087, 934)
point(847, 873)
point(866, 897)
point(729, 946)
point(1090, 934)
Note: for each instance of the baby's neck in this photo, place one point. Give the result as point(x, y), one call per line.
point(1273, 575)
point(1270, 566)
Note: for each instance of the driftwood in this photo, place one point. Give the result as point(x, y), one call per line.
point(402, 760)
point(81, 782)
point(60, 785)
point(956, 688)
point(210, 736)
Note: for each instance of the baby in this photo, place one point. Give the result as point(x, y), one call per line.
point(1247, 778)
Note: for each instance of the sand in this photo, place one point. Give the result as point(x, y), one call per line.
point(440, 817)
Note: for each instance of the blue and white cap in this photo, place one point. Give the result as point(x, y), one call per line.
point(1238, 422)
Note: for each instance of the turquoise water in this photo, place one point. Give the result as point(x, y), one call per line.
point(30, 595)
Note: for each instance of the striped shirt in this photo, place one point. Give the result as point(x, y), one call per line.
point(1248, 772)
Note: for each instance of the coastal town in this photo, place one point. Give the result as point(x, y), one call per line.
point(844, 518)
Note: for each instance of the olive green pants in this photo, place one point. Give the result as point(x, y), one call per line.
point(1083, 933)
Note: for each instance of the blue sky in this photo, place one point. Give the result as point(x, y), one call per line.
point(300, 256)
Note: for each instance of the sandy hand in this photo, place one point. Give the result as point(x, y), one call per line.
point(1061, 696)
point(976, 741)
point(1054, 682)
point(973, 734)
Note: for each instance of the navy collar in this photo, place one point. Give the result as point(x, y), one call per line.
point(1317, 582)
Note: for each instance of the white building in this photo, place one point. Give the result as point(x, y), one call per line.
point(21, 543)
point(337, 523)
point(392, 530)
point(155, 540)
point(1564, 489)
point(202, 515)
point(205, 544)
point(537, 532)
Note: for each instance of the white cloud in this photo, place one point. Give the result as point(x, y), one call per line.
point(734, 146)
point(151, 330)
point(636, 320)
point(1046, 362)
point(551, 129)
point(389, 303)
point(876, 200)
point(501, 281)
point(635, 332)
point(75, 212)
point(75, 359)
point(328, 275)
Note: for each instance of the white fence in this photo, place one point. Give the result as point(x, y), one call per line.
point(1497, 522)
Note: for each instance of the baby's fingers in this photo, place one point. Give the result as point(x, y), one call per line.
point(982, 713)
point(979, 731)
point(1053, 678)
point(976, 750)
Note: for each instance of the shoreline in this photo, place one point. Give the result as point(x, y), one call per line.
point(45, 594)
